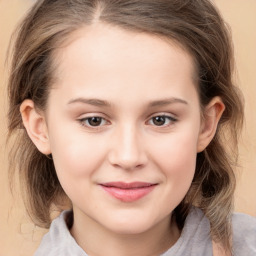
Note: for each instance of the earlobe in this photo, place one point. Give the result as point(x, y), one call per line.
point(212, 114)
point(35, 125)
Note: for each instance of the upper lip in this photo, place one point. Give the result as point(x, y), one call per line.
point(126, 185)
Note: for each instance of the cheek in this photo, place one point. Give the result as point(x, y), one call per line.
point(176, 157)
point(75, 155)
point(76, 159)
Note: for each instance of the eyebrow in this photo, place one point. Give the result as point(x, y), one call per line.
point(104, 103)
point(164, 102)
point(94, 102)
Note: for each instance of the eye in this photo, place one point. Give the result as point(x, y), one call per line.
point(162, 120)
point(93, 121)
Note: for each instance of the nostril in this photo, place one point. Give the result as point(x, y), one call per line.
point(137, 161)
point(128, 165)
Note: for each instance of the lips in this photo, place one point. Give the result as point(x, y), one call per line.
point(128, 192)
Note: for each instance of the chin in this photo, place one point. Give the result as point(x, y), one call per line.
point(130, 229)
point(130, 225)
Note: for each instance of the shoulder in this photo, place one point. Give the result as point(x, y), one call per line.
point(59, 241)
point(195, 237)
point(244, 234)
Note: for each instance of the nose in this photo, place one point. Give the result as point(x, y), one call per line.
point(127, 150)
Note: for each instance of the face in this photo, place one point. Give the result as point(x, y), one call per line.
point(123, 123)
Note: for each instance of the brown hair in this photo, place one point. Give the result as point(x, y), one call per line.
point(196, 25)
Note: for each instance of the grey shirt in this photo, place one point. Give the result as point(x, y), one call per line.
point(194, 240)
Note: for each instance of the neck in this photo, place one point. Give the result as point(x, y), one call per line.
point(96, 240)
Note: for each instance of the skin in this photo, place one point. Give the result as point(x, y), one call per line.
point(141, 77)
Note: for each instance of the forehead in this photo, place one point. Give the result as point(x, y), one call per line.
point(100, 42)
point(105, 57)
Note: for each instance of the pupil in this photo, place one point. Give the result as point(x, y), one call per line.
point(94, 121)
point(159, 120)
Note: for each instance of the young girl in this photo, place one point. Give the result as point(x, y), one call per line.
point(123, 108)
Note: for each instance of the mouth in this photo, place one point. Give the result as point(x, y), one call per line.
point(128, 192)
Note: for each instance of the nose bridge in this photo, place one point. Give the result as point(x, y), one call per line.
point(127, 149)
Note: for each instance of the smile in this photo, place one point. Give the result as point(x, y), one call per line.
point(128, 192)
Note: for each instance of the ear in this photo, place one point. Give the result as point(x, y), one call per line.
point(35, 125)
point(211, 116)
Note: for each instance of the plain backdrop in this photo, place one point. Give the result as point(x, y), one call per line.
point(18, 236)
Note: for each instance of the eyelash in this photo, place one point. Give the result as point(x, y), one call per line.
point(84, 121)
point(171, 120)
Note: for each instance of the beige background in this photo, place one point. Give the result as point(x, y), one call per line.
point(18, 236)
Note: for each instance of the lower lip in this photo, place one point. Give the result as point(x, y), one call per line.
point(129, 195)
